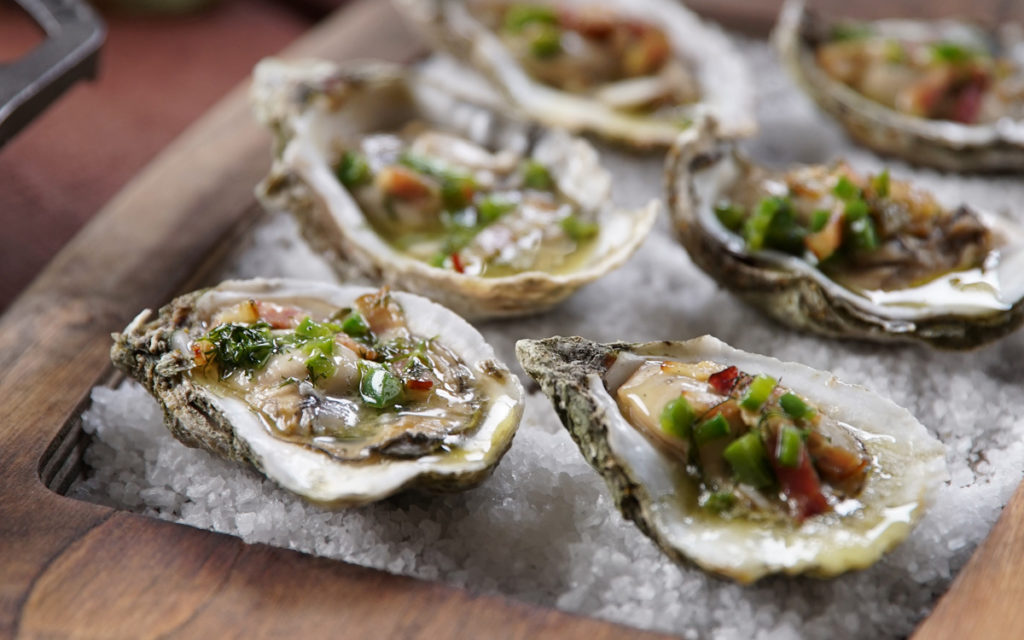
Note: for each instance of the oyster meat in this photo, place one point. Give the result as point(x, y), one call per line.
point(635, 72)
point(343, 395)
point(844, 254)
point(740, 463)
point(942, 93)
point(481, 212)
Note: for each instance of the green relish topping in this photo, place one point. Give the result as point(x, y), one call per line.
point(596, 52)
point(677, 418)
point(713, 429)
point(735, 434)
point(460, 207)
point(352, 382)
point(866, 232)
point(749, 461)
point(923, 75)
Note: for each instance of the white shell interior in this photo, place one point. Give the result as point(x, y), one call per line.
point(320, 478)
point(721, 73)
point(909, 460)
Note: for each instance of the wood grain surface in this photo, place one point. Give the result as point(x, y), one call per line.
point(79, 570)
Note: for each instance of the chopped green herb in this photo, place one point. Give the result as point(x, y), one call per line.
point(749, 462)
point(880, 184)
point(355, 325)
point(457, 191)
point(789, 448)
point(537, 176)
point(952, 53)
point(756, 226)
point(717, 427)
point(677, 417)
point(456, 186)
point(520, 15)
point(378, 387)
point(795, 407)
point(851, 31)
point(819, 219)
point(320, 365)
point(579, 230)
point(719, 502)
point(862, 234)
point(894, 52)
point(846, 190)
point(242, 346)
point(757, 394)
point(784, 232)
point(438, 259)
point(547, 43)
point(730, 215)
point(493, 207)
point(309, 329)
point(856, 209)
point(353, 170)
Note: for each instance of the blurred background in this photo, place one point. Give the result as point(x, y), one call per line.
point(165, 62)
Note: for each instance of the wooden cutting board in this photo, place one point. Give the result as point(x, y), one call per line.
point(74, 569)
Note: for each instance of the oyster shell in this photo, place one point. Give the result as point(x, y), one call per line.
point(652, 488)
point(325, 455)
point(991, 146)
point(957, 310)
point(716, 71)
point(315, 107)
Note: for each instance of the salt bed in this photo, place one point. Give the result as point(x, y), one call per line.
point(543, 528)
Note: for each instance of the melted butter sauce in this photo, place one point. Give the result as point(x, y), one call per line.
point(977, 288)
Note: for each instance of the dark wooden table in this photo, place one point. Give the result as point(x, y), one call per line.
point(73, 569)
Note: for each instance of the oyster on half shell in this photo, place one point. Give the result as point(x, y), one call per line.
point(635, 72)
point(340, 394)
point(943, 115)
point(656, 486)
point(427, 192)
point(974, 294)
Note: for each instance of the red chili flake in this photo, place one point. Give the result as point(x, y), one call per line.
point(198, 355)
point(419, 385)
point(801, 487)
point(457, 263)
point(278, 316)
point(724, 380)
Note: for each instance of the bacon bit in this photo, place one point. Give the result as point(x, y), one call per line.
point(199, 353)
point(723, 381)
point(648, 54)
point(404, 183)
point(589, 23)
point(357, 347)
point(825, 242)
point(843, 469)
point(457, 263)
point(800, 485)
point(278, 316)
point(969, 99)
point(381, 312)
point(419, 385)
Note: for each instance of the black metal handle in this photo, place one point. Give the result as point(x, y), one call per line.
point(70, 52)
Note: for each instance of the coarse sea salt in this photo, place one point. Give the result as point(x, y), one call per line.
point(543, 528)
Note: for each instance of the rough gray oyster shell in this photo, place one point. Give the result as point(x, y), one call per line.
point(997, 146)
point(154, 349)
point(725, 86)
point(701, 168)
point(313, 105)
point(652, 490)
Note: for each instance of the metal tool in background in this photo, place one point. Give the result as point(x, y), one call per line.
point(70, 52)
